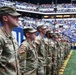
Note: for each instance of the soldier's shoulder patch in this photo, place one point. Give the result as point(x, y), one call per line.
point(37, 41)
point(22, 50)
point(46, 43)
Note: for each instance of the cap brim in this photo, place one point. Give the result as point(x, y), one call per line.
point(15, 14)
point(44, 27)
point(33, 31)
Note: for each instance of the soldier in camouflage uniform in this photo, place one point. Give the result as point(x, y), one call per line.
point(54, 54)
point(49, 52)
point(59, 58)
point(40, 46)
point(62, 48)
point(8, 45)
point(65, 47)
point(69, 46)
point(27, 53)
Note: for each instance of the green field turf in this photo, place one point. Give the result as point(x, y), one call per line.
point(70, 68)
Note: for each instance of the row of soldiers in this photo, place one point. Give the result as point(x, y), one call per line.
point(40, 55)
point(35, 55)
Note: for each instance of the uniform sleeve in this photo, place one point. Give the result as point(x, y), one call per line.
point(37, 44)
point(22, 58)
point(1, 47)
point(22, 53)
point(0, 50)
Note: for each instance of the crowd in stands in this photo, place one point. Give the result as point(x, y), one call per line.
point(40, 8)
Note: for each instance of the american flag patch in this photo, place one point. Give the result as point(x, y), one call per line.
point(21, 51)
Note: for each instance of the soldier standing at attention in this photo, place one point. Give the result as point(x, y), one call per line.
point(54, 54)
point(40, 47)
point(8, 44)
point(27, 52)
point(49, 52)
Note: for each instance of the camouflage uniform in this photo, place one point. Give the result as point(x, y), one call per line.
point(49, 56)
point(62, 49)
point(65, 48)
point(40, 46)
point(28, 56)
point(54, 55)
point(58, 54)
point(69, 46)
point(8, 54)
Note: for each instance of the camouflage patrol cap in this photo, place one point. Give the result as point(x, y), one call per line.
point(56, 32)
point(54, 35)
point(29, 30)
point(9, 10)
point(41, 26)
point(48, 32)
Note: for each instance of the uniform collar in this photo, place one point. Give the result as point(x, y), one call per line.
point(6, 33)
point(41, 37)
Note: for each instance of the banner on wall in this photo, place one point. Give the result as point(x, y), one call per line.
point(18, 34)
